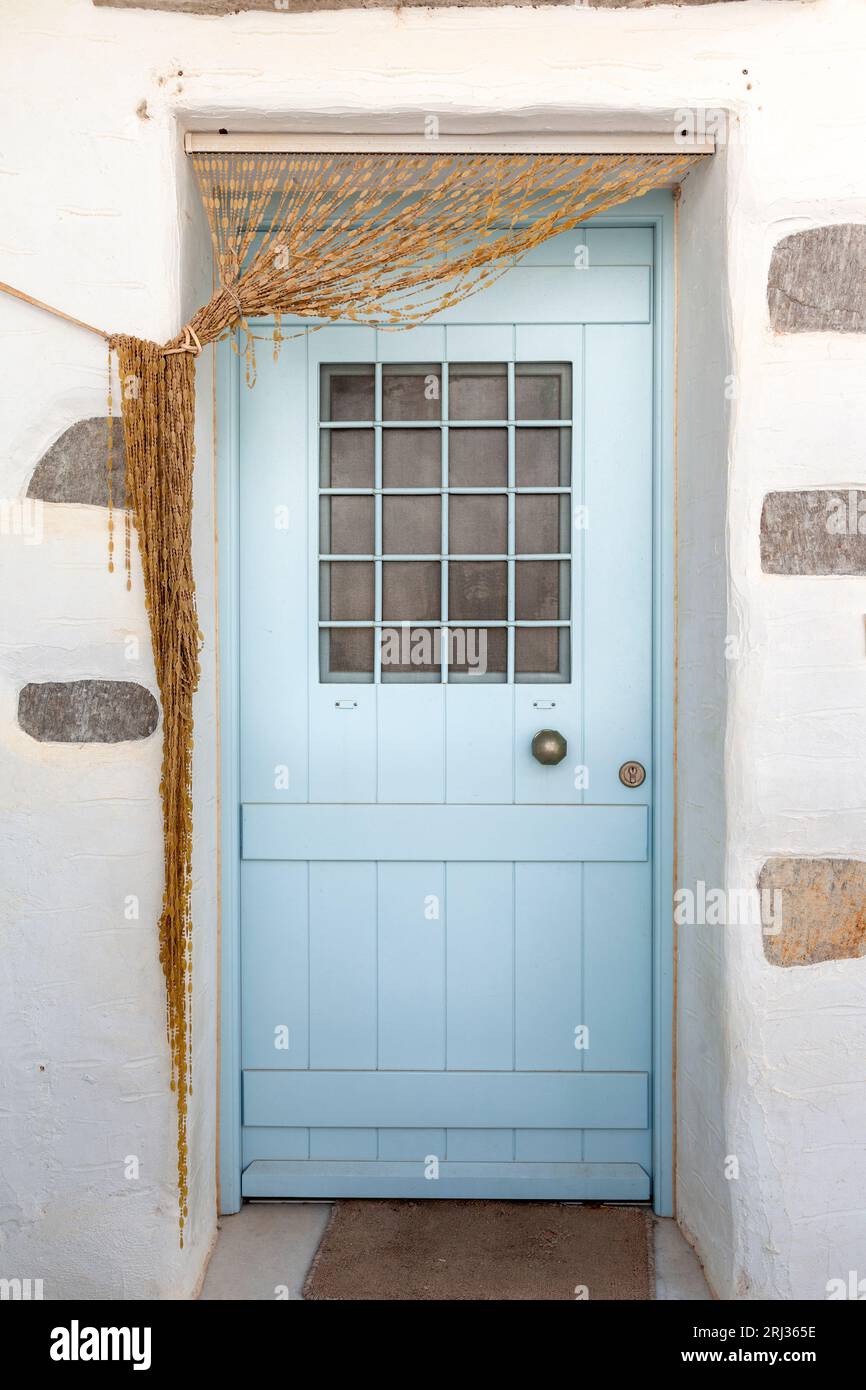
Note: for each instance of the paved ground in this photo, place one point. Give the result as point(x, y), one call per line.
point(264, 1252)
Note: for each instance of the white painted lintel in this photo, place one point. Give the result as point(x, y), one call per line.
point(274, 142)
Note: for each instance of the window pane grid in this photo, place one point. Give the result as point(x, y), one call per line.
point(509, 518)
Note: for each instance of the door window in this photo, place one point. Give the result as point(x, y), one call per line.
point(445, 521)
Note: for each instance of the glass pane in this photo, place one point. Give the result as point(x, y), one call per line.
point(540, 652)
point(347, 458)
point(411, 589)
point(411, 393)
point(478, 391)
point(346, 590)
point(477, 589)
point(542, 391)
point(346, 653)
point(411, 525)
point(477, 653)
point(541, 589)
point(411, 458)
point(542, 457)
point(348, 392)
point(541, 524)
point(477, 525)
point(347, 525)
point(412, 653)
point(477, 458)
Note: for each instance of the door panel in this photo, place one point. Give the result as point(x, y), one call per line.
point(480, 966)
point(274, 911)
point(598, 294)
point(342, 979)
point(411, 983)
point(548, 950)
point(274, 694)
point(618, 650)
point(446, 545)
point(479, 744)
point(411, 769)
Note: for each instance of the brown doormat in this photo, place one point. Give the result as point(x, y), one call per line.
point(404, 1251)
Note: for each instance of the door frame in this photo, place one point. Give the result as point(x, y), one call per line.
point(658, 211)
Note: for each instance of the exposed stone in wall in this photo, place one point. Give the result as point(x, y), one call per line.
point(814, 532)
point(217, 7)
point(300, 6)
point(645, 4)
point(75, 468)
point(817, 281)
point(823, 910)
point(87, 711)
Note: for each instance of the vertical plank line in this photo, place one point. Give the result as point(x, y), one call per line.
point(444, 542)
point(676, 680)
point(443, 915)
point(513, 867)
point(582, 568)
point(582, 1020)
point(512, 508)
point(377, 545)
point(377, 871)
point(309, 983)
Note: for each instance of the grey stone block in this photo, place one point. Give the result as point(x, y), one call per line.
point(823, 910)
point(816, 531)
point(75, 468)
point(218, 7)
point(224, 7)
point(87, 711)
point(817, 281)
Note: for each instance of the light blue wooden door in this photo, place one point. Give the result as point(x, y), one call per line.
point(446, 547)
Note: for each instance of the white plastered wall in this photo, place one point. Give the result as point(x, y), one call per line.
point(100, 217)
point(704, 1197)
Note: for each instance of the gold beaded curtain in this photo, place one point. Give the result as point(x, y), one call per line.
point(382, 238)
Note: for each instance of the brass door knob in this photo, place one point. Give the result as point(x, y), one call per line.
point(549, 747)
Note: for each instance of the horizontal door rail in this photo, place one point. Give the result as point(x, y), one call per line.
point(442, 1100)
point(437, 833)
point(568, 1182)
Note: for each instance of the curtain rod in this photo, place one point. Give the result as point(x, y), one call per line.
point(273, 142)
